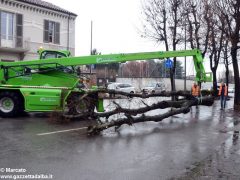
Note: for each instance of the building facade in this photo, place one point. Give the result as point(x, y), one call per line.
point(27, 25)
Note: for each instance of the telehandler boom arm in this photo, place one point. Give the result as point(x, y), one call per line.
point(201, 75)
point(44, 85)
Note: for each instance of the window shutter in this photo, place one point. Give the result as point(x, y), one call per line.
point(46, 31)
point(57, 33)
point(19, 30)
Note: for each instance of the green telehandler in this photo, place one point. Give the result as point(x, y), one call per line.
point(44, 85)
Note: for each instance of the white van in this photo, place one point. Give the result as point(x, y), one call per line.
point(128, 88)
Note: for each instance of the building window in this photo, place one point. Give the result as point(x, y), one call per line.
point(51, 32)
point(6, 25)
point(11, 29)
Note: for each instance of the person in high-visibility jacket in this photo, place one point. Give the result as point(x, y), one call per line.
point(195, 90)
point(223, 92)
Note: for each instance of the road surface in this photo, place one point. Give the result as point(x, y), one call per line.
point(167, 150)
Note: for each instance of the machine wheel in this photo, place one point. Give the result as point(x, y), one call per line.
point(10, 104)
point(153, 91)
point(83, 107)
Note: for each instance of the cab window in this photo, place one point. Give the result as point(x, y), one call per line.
point(49, 55)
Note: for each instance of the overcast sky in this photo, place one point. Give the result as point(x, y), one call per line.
point(116, 25)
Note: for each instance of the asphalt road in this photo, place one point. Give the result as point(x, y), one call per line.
point(149, 151)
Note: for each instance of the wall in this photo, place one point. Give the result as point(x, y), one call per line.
point(138, 83)
point(9, 56)
point(33, 24)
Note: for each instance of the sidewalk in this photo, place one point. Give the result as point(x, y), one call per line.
point(224, 163)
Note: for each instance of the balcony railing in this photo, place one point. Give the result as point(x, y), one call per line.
point(19, 44)
point(13, 42)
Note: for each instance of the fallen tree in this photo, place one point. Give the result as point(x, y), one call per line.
point(132, 116)
point(178, 107)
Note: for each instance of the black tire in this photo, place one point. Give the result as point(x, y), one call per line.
point(11, 104)
point(153, 91)
point(132, 92)
point(77, 107)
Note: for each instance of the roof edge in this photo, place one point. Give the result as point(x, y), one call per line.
point(53, 9)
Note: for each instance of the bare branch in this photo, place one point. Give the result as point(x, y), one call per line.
point(184, 108)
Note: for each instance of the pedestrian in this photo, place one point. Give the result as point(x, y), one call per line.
point(223, 92)
point(195, 91)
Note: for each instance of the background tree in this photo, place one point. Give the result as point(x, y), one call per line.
point(148, 69)
point(205, 32)
point(230, 11)
point(162, 20)
point(226, 60)
point(195, 20)
point(216, 43)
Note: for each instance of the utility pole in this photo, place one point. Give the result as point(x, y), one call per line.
point(185, 59)
point(91, 38)
point(91, 45)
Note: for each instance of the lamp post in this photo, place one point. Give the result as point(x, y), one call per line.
point(185, 58)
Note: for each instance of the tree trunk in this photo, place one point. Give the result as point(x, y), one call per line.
point(130, 115)
point(227, 75)
point(226, 63)
point(172, 77)
point(215, 90)
point(236, 78)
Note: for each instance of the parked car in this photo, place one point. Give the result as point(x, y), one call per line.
point(231, 89)
point(128, 88)
point(154, 88)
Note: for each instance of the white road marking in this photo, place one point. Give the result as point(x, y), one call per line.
point(55, 132)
